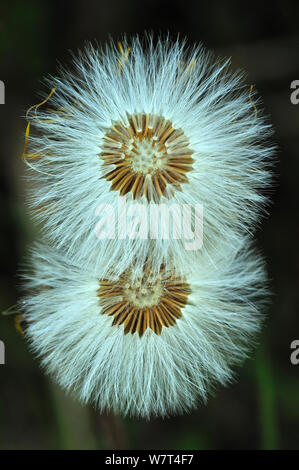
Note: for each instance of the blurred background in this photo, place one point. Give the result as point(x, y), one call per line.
point(261, 410)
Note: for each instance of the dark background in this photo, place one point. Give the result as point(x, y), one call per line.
point(260, 411)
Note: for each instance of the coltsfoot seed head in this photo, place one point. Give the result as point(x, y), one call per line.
point(139, 345)
point(156, 123)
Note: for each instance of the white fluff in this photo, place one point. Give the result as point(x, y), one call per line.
point(189, 87)
point(151, 375)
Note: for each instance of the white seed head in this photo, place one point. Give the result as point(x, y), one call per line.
point(140, 344)
point(153, 124)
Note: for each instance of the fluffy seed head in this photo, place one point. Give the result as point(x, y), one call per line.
point(139, 344)
point(156, 123)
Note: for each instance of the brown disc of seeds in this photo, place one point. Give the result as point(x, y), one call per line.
point(146, 156)
point(144, 302)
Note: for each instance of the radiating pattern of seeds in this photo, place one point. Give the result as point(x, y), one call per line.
point(145, 302)
point(147, 157)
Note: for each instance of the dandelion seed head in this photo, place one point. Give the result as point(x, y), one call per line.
point(155, 122)
point(183, 339)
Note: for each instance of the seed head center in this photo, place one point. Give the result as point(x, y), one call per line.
point(144, 300)
point(146, 157)
point(143, 294)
